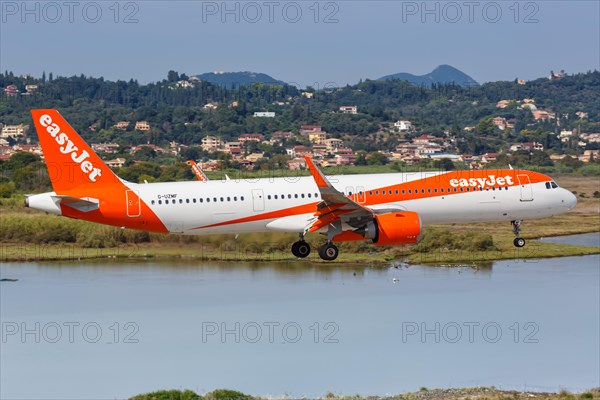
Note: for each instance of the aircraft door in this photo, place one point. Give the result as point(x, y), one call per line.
point(133, 206)
point(525, 186)
point(258, 200)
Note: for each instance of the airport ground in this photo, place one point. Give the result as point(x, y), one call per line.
point(31, 235)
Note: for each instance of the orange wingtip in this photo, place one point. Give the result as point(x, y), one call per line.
point(317, 175)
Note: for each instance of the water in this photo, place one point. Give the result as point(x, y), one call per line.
point(586, 239)
point(351, 330)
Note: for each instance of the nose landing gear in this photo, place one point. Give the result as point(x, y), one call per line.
point(519, 241)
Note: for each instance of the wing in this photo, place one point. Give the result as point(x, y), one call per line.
point(335, 205)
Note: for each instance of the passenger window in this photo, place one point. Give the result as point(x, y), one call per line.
point(152, 202)
point(377, 192)
point(435, 190)
point(222, 199)
point(428, 190)
point(371, 192)
point(397, 191)
point(234, 198)
point(214, 199)
point(422, 190)
point(194, 200)
point(180, 201)
point(208, 199)
point(403, 191)
point(160, 202)
point(166, 201)
point(242, 198)
point(302, 195)
point(228, 198)
point(268, 197)
point(201, 199)
point(296, 195)
point(289, 196)
point(187, 201)
point(309, 195)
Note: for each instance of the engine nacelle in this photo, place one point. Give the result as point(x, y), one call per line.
point(393, 229)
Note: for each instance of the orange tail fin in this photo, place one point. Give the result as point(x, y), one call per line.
point(197, 171)
point(70, 161)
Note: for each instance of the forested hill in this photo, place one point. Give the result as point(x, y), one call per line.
point(176, 110)
point(233, 80)
point(441, 74)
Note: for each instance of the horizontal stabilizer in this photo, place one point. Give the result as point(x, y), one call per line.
point(85, 204)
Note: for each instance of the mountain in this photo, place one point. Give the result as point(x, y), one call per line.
point(442, 74)
point(236, 79)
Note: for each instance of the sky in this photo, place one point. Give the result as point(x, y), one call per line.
point(321, 44)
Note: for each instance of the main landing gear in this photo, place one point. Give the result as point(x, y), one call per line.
point(519, 241)
point(327, 252)
point(300, 248)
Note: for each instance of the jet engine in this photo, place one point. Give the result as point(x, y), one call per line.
point(393, 229)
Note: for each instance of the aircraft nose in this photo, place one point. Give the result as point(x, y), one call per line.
point(569, 200)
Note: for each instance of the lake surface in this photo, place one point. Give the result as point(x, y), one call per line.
point(74, 330)
point(586, 239)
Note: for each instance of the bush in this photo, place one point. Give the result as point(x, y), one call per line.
point(446, 239)
point(7, 189)
point(590, 170)
point(168, 395)
point(226, 394)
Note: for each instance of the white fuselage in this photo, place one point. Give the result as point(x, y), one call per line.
point(275, 204)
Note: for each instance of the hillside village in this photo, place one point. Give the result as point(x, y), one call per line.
point(403, 141)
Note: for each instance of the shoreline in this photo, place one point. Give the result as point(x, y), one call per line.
point(535, 249)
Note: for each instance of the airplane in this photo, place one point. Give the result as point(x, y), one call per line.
point(387, 209)
point(197, 171)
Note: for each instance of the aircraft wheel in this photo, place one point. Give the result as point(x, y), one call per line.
point(328, 252)
point(301, 249)
point(519, 242)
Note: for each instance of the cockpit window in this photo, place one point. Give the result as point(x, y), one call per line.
point(547, 185)
point(554, 185)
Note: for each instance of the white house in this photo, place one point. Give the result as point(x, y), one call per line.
point(14, 131)
point(403, 126)
point(348, 109)
point(264, 114)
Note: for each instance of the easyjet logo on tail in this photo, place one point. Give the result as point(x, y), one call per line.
point(491, 180)
point(68, 147)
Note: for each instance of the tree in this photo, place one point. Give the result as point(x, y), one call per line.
point(377, 158)
point(445, 164)
point(360, 159)
point(172, 76)
point(486, 126)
